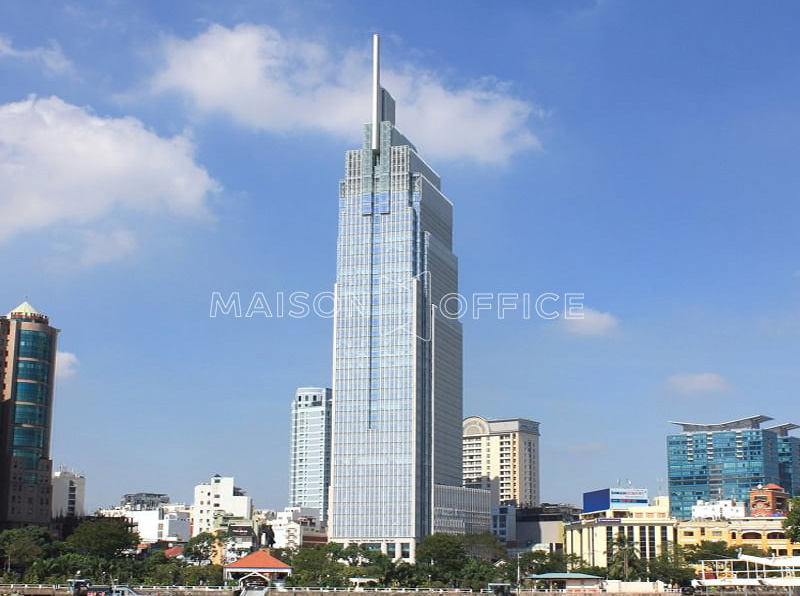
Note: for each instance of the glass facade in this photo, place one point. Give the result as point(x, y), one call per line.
point(714, 465)
point(397, 359)
point(789, 463)
point(310, 466)
point(28, 349)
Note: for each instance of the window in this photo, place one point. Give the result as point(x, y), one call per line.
point(751, 535)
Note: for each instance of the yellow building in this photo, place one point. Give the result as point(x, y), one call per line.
point(649, 527)
point(502, 456)
point(765, 533)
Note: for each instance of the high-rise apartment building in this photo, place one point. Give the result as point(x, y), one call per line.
point(69, 493)
point(27, 370)
point(397, 393)
point(310, 466)
point(503, 456)
point(219, 497)
point(715, 462)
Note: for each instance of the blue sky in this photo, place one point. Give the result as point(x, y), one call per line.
point(641, 153)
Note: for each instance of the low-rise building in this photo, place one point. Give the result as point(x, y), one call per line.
point(765, 533)
point(69, 493)
point(769, 501)
point(649, 527)
point(727, 509)
point(218, 496)
point(461, 510)
point(538, 528)
point(242, 536)
point(166, 523)
point(298, 526)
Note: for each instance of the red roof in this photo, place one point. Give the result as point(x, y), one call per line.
point(773, 486)
point(261, 559)
point(173, 552)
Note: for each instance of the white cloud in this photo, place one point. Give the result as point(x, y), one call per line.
point(66, 365)
point(593, 322)
point(106, 246)
point(51, 58)
point(264, 80)
point(697, 383)
point(61, 165)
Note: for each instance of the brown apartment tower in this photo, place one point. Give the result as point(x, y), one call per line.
point(27, 370)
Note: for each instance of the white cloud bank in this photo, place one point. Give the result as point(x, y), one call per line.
point(264, 80)
point(61, 165)
point(66, 365)
point(697, 383)
point(593, 322)
point(51, 58)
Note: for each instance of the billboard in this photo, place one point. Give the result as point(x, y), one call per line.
point(625, 497)
point(614, 498)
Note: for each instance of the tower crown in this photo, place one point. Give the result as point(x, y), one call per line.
point(26, 312)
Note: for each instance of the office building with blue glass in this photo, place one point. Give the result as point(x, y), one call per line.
point(788, 458)
point(397, 406)
point(714, 462)
point(27, 371)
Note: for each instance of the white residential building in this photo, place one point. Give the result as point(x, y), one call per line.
point(167, 523)
point(218, 497)
point(297, 526)
point(310, 453)
point(69, 493)
point(727, 509)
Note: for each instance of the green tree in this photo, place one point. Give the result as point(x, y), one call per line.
point(477, 573)
point(158, 570)
point(791, 524)
point(200, 548)
point(64, 566)
point(623, 559)
point(670, 566)
point(21, 547)
point(201, 575)
point(484, 546)
point(440, 557)
point(378, 565)
point(709, 549)
point(403, 574)
point(106, 538)
point(318, 566)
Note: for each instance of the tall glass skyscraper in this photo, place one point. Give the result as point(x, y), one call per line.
point(310, 467)
point(27, 371)
point(397, 380)
point(722, 461)
point(788, 458)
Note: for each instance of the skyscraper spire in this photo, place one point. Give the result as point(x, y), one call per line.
point(395, 450)
point(377, 116)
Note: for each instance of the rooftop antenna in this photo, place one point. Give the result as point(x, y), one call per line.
point(376, 91)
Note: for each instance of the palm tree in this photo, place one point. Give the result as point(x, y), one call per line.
point(623, 558)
